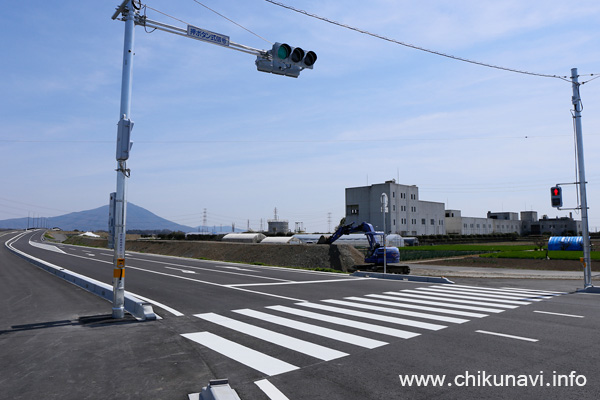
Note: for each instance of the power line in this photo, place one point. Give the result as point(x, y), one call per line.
point(214, 11)
point(589, 80)
point(232, 21)
point(166, 15)
point(564, 78)
point(271, 141)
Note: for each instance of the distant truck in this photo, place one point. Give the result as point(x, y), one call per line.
point(375, 254)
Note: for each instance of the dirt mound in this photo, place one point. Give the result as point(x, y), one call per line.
point(339, 257)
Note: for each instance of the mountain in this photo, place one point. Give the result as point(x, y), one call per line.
point(97, 219)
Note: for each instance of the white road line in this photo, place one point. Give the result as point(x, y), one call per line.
point(415, 307)
point(559, 314)
point(289, 342)
point(347, 322)
point(7, 233)
point(515, 290)
point(399, 312)
point(314, 329)
point(190, 279)
point(207, 269)
point(468, 296)
point(410, 293)
point(536, 291)
point(377, 317)
point(298, 271)
point(46, 247)
point(293, 282)
point(236, 268)
point(156, 303)
point(505, 291)
point(270, 390)
point(254, 359)
point(508, 336)
point(185, 271)
point(421, 300)
point(253, 268)
point(212, 283)
point(503, 295)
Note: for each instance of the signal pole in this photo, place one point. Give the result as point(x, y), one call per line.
point(123, 147)
point(289, 62)
point(576, 99)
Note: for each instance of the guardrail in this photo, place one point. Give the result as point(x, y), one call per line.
point(141, 310)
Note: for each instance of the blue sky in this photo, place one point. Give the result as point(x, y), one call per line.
point(211, 132)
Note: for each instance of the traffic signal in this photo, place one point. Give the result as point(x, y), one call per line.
point(556, 196)
point(283, 52)
point(276, 67)
point(286, 60)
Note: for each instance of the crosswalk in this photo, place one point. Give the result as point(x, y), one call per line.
point(359, 322)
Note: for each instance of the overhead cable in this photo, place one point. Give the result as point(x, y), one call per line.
point(412, 45)
point(232, 21)
point(167, 15)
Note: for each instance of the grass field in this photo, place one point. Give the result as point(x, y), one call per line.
point(522, 252)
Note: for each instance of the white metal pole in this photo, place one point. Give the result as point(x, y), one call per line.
point(587, 271)
point(384, 205)
point(118, 310)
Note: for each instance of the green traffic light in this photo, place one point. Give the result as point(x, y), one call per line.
point(284, 51)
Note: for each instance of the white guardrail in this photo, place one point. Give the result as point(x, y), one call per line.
point(141, 310)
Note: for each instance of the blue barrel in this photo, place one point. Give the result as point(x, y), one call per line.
point(571, 243)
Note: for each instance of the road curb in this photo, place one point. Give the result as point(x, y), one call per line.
point(400, 277)
point(139, 309)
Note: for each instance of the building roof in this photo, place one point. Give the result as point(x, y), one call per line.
point(281, 239)
point(243, 237)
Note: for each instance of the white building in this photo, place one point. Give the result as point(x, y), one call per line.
point(407, 215)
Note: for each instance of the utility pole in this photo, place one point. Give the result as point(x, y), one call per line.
point(587, 261)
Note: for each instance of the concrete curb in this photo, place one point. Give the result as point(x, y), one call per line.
point(591, 289)
point(136, 307)
point(399, 277)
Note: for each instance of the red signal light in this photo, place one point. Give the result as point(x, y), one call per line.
point(556, 196)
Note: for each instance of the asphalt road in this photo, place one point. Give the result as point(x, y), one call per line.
point(278, 333)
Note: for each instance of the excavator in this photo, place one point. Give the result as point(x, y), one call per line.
point(375, 253)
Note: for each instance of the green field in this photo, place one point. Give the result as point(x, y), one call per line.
point(553, 255)
point(524, 251)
